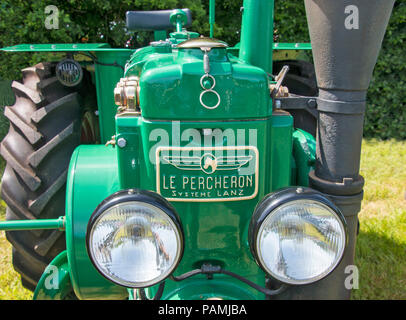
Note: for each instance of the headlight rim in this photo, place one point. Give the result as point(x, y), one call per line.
point(135, 195)
point(281, 197)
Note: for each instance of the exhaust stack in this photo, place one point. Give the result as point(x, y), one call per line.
point(346, 37)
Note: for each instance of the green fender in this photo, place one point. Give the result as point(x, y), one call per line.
point(92, 177)
point(55, 283)
point(304, 152)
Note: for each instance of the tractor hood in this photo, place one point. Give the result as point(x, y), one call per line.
point(175, 84)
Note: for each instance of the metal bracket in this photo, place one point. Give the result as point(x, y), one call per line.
point(299, 102)
point(342, 107)
point(279, 79)
point(209, 270)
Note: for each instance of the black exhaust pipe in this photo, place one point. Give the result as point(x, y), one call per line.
point(346, 37)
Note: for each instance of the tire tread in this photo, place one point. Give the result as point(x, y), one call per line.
point(44, 130)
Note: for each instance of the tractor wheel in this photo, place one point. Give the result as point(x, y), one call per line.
point(45, 128)
point(301, 80)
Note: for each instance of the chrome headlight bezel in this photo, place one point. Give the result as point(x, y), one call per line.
point(136, 196)
point(276, 200)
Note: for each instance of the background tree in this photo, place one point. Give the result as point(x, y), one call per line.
point(22, 21)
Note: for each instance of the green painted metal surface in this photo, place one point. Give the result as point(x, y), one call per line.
point(174, 121)
point(221, 241)
point(292, 46)
point(178, 18)
point(278, 49)
point(41, 224)
point(160, 35)
point(291, 51)
point(62, 47)
point(179, 37)
point(281, 152)
point(238, 152)
point(212, 17)
point(55, 283)
point(91, 178)
point(107, 77)
point(257, 33)
point(199, 288)
point(177, 97)
point(304, 151)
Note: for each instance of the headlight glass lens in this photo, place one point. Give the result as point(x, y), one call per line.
point(301, 241)
point(135, 244)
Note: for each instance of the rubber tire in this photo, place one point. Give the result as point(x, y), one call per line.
point(300, 80)
point(45, 128)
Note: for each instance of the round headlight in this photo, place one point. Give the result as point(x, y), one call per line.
point(134, 238)
point(299, 238)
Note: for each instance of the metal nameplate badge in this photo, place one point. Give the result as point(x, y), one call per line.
point(207, 174)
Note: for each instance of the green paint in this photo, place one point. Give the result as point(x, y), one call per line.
point(257, 33)
point(199, 288)
point(281, 151)
point(178, 18)
point(160, 35)
point(292, 46)
point(177, 98)
point(212, 17)
point(106, 80)
point(55, 282)
point(217, 188)
point(179, 37)
point(91, 178)
point(223, 241)
point(41, 224)
point(62, 47)
point(304, 151)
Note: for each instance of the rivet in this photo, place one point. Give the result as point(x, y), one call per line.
point(312, 103)
point(121, 142)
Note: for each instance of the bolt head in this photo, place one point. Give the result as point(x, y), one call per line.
point(121, 142)
point(312, 103)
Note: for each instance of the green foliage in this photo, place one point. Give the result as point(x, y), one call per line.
point(386, 115)
point(22, 21)
point(290, 21)
point(6, 99)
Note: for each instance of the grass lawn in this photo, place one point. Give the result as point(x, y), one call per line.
point(381, 246)
point(10, 286)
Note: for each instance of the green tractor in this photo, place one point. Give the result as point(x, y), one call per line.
point(191, 169)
